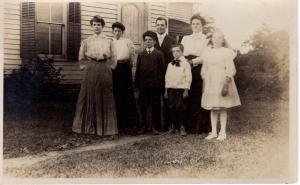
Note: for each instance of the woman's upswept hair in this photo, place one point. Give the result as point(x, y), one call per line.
point(199, 17)
point(97, 18)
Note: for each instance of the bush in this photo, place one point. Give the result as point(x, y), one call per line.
point(36, 80)
point(263, 72)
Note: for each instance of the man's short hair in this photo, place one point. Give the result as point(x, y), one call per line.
point(162, 19)
point(150, 34)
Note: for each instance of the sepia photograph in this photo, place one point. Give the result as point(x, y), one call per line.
point(201, 91)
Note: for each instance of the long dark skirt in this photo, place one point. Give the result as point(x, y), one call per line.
point(95, 111)
point(198, 118)
point(124, 97)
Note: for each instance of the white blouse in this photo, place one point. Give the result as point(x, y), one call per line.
point(96, 46)
point(194, 44)
point(124, 49)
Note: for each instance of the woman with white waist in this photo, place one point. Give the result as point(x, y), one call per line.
point(194, 45)
point(95, 111)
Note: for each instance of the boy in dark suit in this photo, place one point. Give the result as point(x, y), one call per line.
point(164, 45)
point(149, 81)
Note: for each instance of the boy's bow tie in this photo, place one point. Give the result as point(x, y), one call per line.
point(176, 62)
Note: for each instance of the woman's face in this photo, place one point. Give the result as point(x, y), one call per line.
point(117, 32)
point(97, 27)
point(196, 25)
point(217, 39)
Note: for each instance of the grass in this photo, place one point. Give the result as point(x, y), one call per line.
point(257, 147)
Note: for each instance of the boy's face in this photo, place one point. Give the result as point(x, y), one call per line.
point(117, 32)
point(177, 53)
point(149, 42)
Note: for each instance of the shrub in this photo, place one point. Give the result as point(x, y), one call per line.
point(263, 72)
point(36, 80)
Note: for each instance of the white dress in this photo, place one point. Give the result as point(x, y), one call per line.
point(217, 64)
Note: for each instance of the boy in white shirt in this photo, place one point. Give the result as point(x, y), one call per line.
point(178, 80)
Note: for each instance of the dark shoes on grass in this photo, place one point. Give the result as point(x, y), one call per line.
point(144, 131)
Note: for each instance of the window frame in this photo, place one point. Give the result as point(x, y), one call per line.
point(65, 14)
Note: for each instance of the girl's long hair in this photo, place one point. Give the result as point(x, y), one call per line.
point(210, 43)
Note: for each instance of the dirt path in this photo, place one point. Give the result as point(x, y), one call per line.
point(33, 159)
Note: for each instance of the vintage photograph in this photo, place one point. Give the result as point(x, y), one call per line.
point(141, 91)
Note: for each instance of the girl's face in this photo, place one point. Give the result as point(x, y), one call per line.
point(97, 27)
point(196, 25)
point(218, 39)
point(117, 32)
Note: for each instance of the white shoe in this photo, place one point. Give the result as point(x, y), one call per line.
point(221, 137)
point(211, 136)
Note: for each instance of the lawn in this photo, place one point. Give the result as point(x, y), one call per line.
point(256, 147)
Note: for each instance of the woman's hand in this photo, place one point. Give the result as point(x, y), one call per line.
point(185, 93)
point(190, 62)
point(166, 94)
point(82, 67)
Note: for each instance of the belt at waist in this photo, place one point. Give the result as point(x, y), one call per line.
point(100, 60)
point(123, 61)
point(190, 57)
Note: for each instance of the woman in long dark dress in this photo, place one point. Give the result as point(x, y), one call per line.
point(95, 111)
point(194, 45)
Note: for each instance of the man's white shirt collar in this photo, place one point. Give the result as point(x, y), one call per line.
point(161, 37)
point(150, 49)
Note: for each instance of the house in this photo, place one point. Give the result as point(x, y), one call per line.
point(32, 28)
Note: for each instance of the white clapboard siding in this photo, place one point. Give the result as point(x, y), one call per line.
point(11, 35)
point(109, 11)
point(180, 11)
point(156, 9)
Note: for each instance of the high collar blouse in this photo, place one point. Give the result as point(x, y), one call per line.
point(96, 46)
point(194, 44)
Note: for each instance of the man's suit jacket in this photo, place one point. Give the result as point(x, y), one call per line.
point(165, 48)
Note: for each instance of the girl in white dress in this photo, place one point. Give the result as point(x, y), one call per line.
point(219, 91)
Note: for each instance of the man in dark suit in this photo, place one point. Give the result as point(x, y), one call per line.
point(164, 44)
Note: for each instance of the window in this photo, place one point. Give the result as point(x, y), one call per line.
point(51, 28)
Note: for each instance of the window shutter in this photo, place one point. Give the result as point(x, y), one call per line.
point(74, 31)
point(28, 47)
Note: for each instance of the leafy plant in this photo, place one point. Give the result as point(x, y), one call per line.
point(36, 80)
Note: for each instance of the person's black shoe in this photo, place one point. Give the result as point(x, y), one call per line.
point(171, 129)
point(155, 132)
point(142, 131)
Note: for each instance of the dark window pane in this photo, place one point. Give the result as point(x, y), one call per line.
point(43, 12)
point(57, 12)
point(56, 39)
point(42, 38)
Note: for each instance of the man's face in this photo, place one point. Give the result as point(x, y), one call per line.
point(161, 26)
point(177, 53)
point(117, 32)
point(149, 42)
